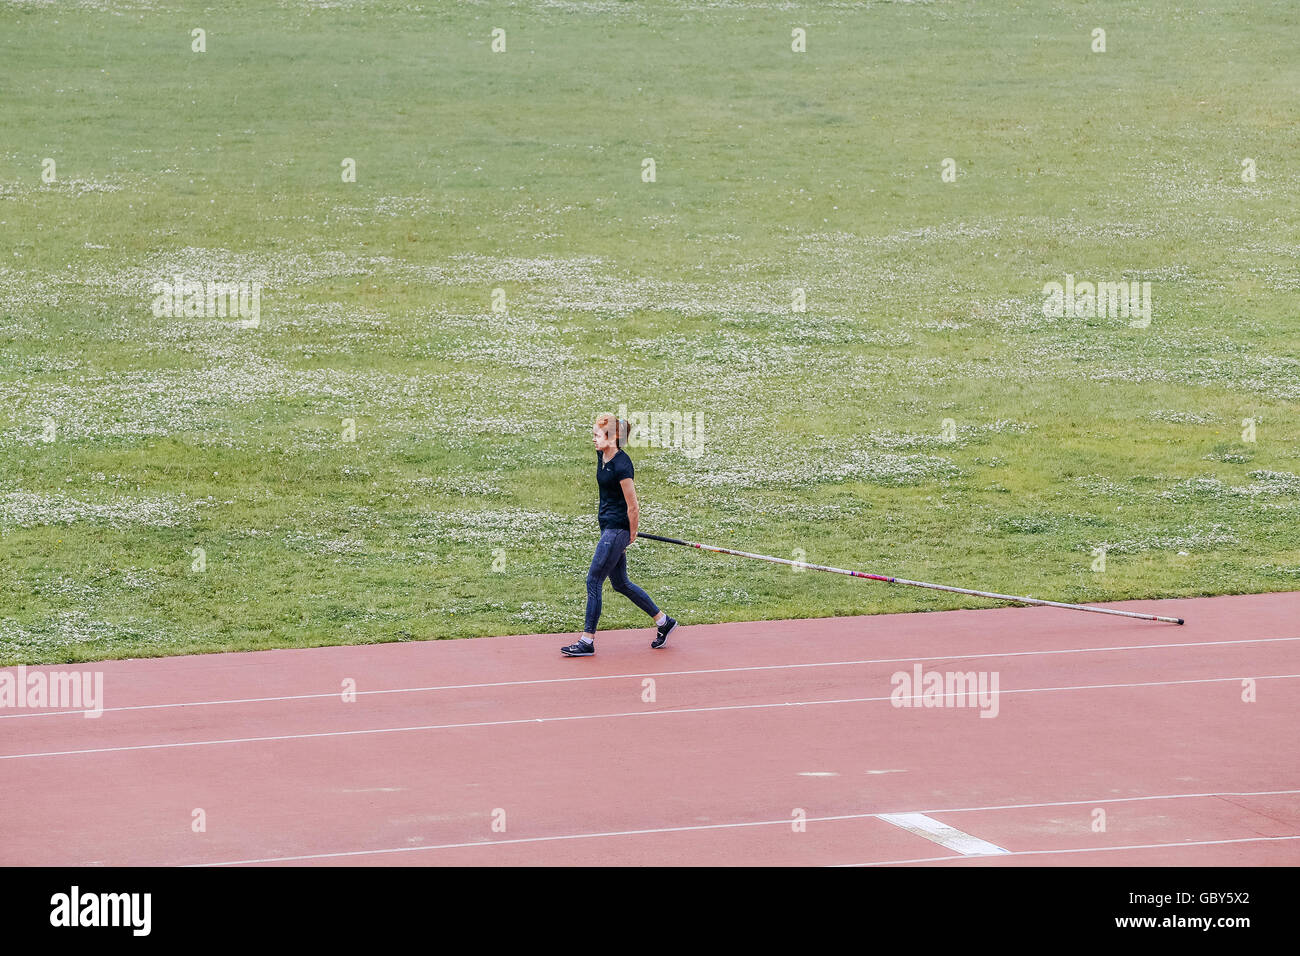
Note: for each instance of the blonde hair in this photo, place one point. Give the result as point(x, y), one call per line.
point(607, 420)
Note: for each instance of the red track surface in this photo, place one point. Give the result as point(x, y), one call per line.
point(750, 723)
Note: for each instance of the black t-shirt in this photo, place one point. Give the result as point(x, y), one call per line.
point(613, 505)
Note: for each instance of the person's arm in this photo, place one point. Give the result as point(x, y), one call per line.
point(633, 509)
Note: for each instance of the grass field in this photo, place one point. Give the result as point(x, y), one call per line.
point(463, 503)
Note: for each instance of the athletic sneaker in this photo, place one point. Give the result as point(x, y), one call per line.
point(662, 632)
point(579, 649)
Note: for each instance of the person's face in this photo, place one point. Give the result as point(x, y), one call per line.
point(598, 438)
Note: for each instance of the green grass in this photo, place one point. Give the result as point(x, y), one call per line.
point(522, 171)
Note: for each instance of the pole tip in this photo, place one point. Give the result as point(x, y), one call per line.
point(1180, 620)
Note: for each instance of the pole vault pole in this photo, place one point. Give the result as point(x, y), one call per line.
point(916, 584)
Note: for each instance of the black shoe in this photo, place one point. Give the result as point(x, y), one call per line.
point(579, 649)
point(662, 632)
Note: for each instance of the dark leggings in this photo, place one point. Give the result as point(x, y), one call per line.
point(610, 562)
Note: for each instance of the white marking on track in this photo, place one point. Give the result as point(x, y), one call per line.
point(1087, 849)
point(942, 834)
point(818, 773)
point(630, 713)
point(714, 670)
point(757, 823)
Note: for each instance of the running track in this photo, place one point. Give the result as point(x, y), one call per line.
point(750, 725)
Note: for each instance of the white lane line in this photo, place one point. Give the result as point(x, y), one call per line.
point(630, 713)
point(715, 670)
point(1089, 849)
point(942, 834)
point(729, 826)
point(1077, 803)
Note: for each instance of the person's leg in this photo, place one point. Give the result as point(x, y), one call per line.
point(602, 562)
point(664, 624)
point(623, 585)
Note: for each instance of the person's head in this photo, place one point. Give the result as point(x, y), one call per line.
point(608, 433)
